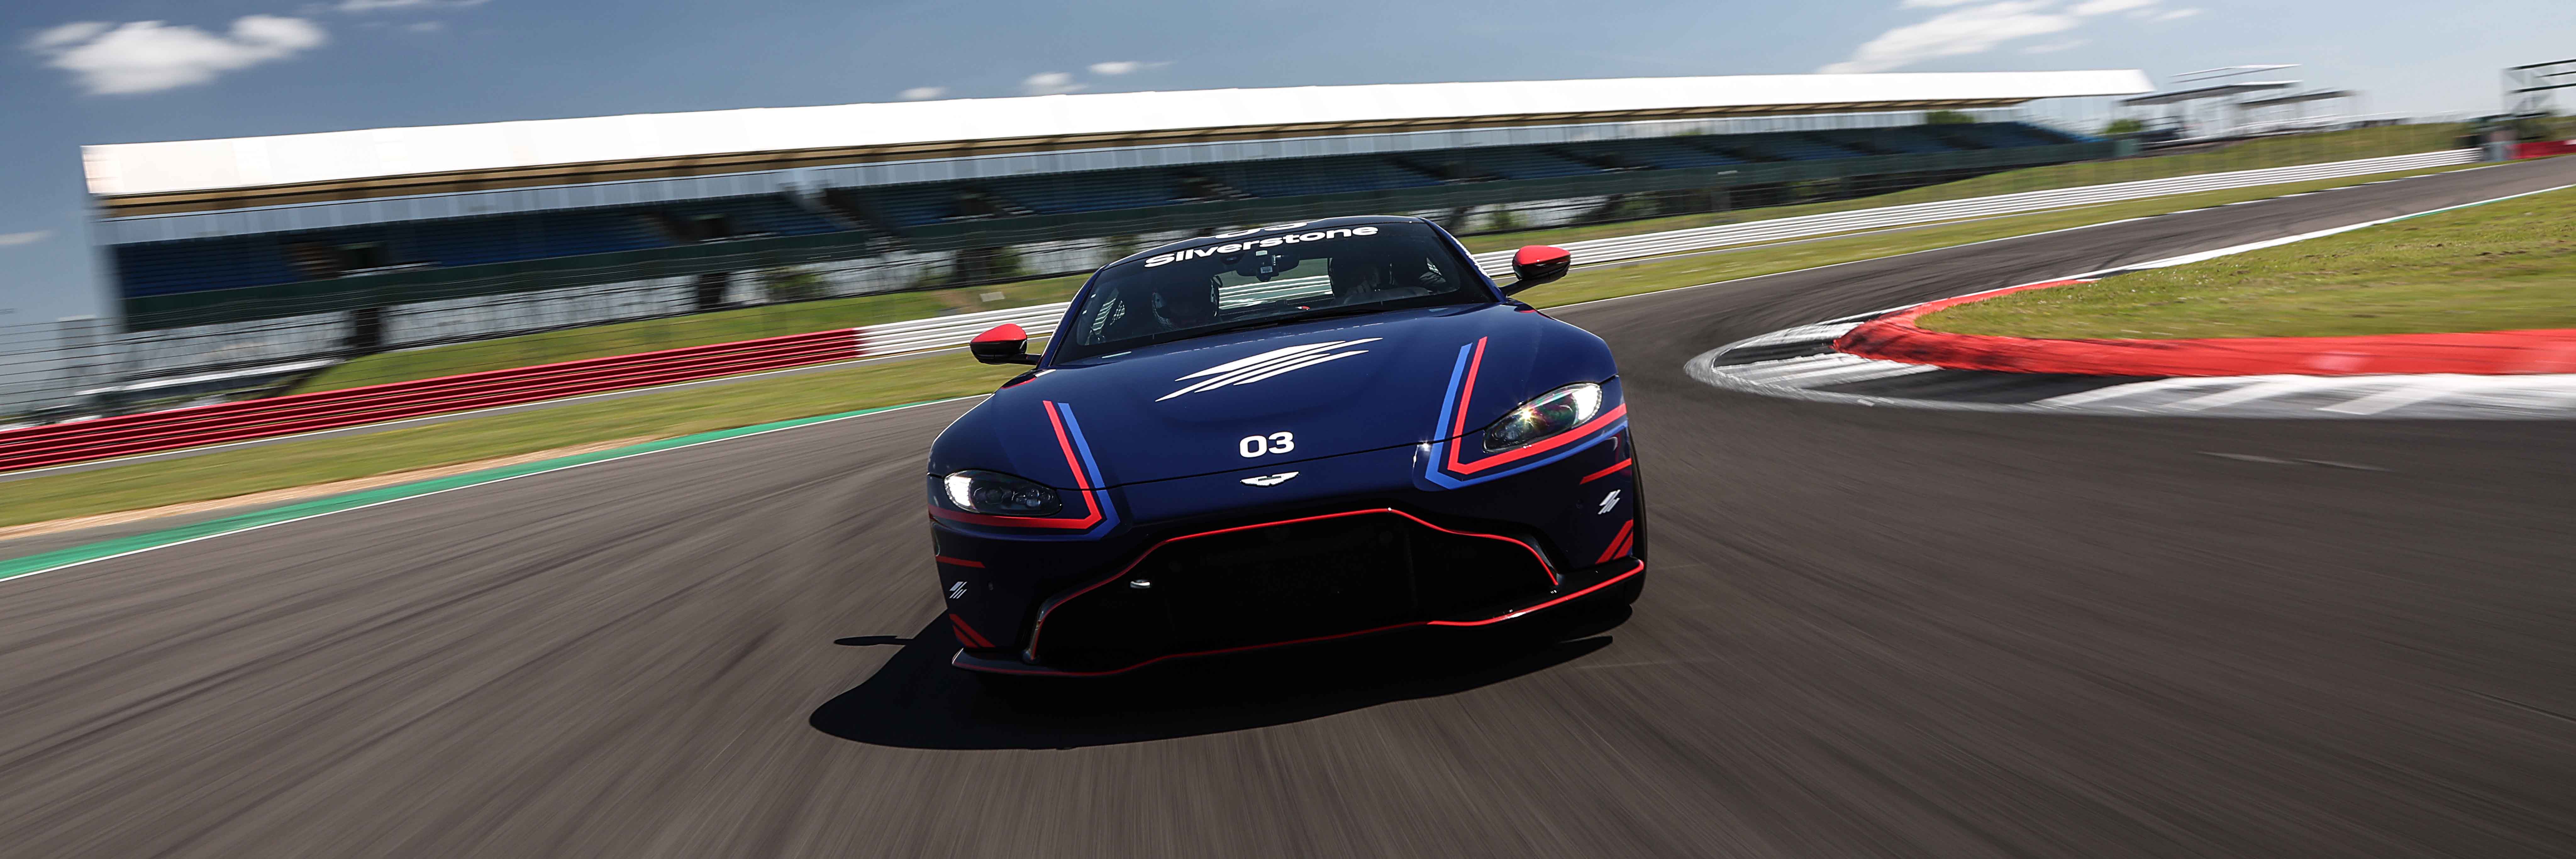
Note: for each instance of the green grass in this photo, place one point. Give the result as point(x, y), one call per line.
point(2495, 267)
point(301, 463)
point(2274, 152)
point(797, 318)
point(678, 331)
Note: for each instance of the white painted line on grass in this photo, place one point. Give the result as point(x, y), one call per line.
point(719, 436)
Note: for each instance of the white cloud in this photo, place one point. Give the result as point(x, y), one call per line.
point(1931, 4)
point(14, 239)
point(1120, 67)
point(425, 26)
point(2054, 47)
point(1973, 30)
point(923, 92)
point(360, 7)
point(147, 56)
point(2104, 7)
point(2179, 14)
point(1050, 83)
point(73, 33)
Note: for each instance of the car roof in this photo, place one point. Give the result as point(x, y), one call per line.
point(1240, 233)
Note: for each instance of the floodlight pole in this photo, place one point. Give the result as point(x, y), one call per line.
point(2527, 88)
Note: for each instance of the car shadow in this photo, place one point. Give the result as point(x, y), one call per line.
point(918, 701)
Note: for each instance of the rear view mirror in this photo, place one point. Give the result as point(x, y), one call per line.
point(1263, 265)
point(1537, 264)
point(1004, 344)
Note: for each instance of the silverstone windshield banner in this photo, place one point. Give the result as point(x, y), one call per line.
point(1270, 242)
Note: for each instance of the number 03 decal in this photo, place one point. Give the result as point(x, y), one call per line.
point(1256, 445)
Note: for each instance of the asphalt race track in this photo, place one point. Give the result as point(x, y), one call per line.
point(1868, 632)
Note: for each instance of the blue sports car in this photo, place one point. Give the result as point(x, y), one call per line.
point(1283, 435)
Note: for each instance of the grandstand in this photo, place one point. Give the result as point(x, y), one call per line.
point(241, 254)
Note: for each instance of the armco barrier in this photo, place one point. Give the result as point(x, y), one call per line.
point(151, 432)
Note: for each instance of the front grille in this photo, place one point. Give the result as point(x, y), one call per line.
point(1286, 582)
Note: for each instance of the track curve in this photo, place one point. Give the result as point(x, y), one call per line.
point(1870, 632)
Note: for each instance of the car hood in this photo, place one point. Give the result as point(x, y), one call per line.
point(1332, 387)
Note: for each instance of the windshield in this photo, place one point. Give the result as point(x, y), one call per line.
point(1267, 278)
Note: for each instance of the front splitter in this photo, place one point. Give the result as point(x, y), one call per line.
point(1577, 585)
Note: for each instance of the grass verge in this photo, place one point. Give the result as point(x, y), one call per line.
point(800, 317)
point(256, 469)
point(693, 330)
point(2495, 267)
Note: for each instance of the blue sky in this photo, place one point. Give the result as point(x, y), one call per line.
point(95, 71)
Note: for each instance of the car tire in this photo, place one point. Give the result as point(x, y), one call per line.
point(1637, 500)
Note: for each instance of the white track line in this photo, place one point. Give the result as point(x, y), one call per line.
point(2260, 387)
point(2136, 389)
point(2418, 389)
point(266, 525)
point(526, 406)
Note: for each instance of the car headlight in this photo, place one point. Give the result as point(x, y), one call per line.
point(999, 494)
point(1554, 412)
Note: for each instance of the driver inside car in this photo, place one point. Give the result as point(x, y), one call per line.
point(1172, 307)
point(1359, 278)
point(1186, 306)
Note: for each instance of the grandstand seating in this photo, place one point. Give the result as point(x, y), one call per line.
point(1794, 146)
point(1088, 192)
point(913, 205)
point(197, 264)
point(2001, 135)
point(162, 268)
point(1328, 175)
point(1899, 140)
point(764, 213)
point(1659, 154)
point(1522, 162)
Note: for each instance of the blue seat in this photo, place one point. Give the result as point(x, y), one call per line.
point(1792, 146)
point(1906, 139)
point(1087, 192)
point(1512, 162)
point(2003, 135)
point(163, 268)
point(913, 205)
point(1327, 175)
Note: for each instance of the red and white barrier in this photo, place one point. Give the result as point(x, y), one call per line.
point(1898, 337)
point(2544, 148)
point(153, 432)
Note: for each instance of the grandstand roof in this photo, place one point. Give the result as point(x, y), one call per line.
point(2220, 91)
point(198, 175)
point(2295, 98)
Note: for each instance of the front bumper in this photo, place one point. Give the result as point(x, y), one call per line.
point(1179, 573)
point(1576, 585)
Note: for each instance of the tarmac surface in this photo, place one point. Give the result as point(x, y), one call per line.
point(1867, 632)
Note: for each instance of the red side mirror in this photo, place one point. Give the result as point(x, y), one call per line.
point(1004, 344)
point(1538, 264)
